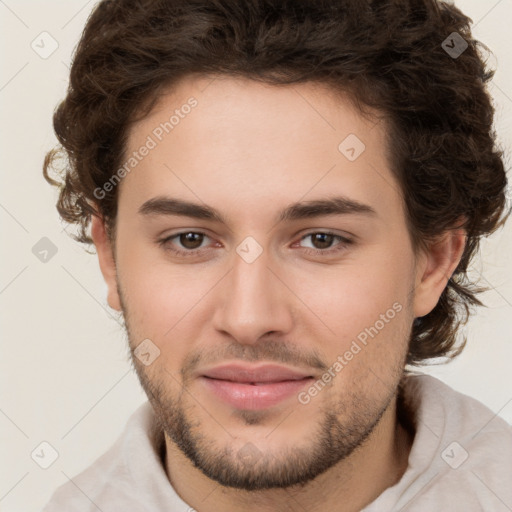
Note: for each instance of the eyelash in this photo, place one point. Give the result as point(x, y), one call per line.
point(344, 242)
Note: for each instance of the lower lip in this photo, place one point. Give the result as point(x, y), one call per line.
point(254, 397)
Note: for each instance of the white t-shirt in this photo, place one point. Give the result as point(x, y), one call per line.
point(460, 460)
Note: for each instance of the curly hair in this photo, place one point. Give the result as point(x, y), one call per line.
point(387, 55)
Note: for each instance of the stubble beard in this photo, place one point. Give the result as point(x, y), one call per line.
point(340, 430)
point(338, 434)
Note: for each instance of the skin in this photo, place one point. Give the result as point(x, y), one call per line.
point(249, 150)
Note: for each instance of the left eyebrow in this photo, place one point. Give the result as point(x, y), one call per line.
point(321, 207)
point(339, 205)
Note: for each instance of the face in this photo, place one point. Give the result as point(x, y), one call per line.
point(266, 275)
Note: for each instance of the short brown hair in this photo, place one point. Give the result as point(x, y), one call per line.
point(388, 55)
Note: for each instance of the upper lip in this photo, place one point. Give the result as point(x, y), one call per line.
point(261, 373)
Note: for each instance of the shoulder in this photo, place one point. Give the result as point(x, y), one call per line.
point(462, 451)
point(458, 422)
point(451, 412)
point(113, 477)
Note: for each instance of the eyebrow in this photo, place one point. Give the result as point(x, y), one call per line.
point(339, 205)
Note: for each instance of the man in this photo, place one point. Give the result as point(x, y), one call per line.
point(284, 198)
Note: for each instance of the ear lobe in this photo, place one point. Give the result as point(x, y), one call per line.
point(438, 263)
point(106, 260)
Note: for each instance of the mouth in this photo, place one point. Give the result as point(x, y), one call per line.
point(254, 388)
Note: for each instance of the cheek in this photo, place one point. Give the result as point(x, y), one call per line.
point(157, 294)
point(366, 306)
point(160, 301)
point(354, 295)
point(161, 308)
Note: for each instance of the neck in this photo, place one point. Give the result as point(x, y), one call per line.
point(348, 486)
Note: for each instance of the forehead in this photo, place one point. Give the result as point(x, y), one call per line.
point(238, 142)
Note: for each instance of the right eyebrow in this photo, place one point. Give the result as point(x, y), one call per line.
point(169, 206)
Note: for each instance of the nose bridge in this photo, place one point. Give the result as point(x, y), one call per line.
point(253, 301)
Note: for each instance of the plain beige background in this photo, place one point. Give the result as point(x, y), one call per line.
point(65, 375)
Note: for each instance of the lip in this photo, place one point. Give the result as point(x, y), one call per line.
point(254, 387)
point(254, 374)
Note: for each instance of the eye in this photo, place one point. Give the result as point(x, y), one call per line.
point(190, 242)
point(322, 242)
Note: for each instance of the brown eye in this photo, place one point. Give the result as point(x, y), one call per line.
point(322, 243)
point(186, 243)
point(322, 240)
point(191, 240)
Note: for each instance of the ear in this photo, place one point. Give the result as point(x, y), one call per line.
point(434, 268)
point(106, 260)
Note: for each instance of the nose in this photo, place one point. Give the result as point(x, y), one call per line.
point(253, 301)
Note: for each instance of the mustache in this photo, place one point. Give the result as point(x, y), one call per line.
point(274, 351)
